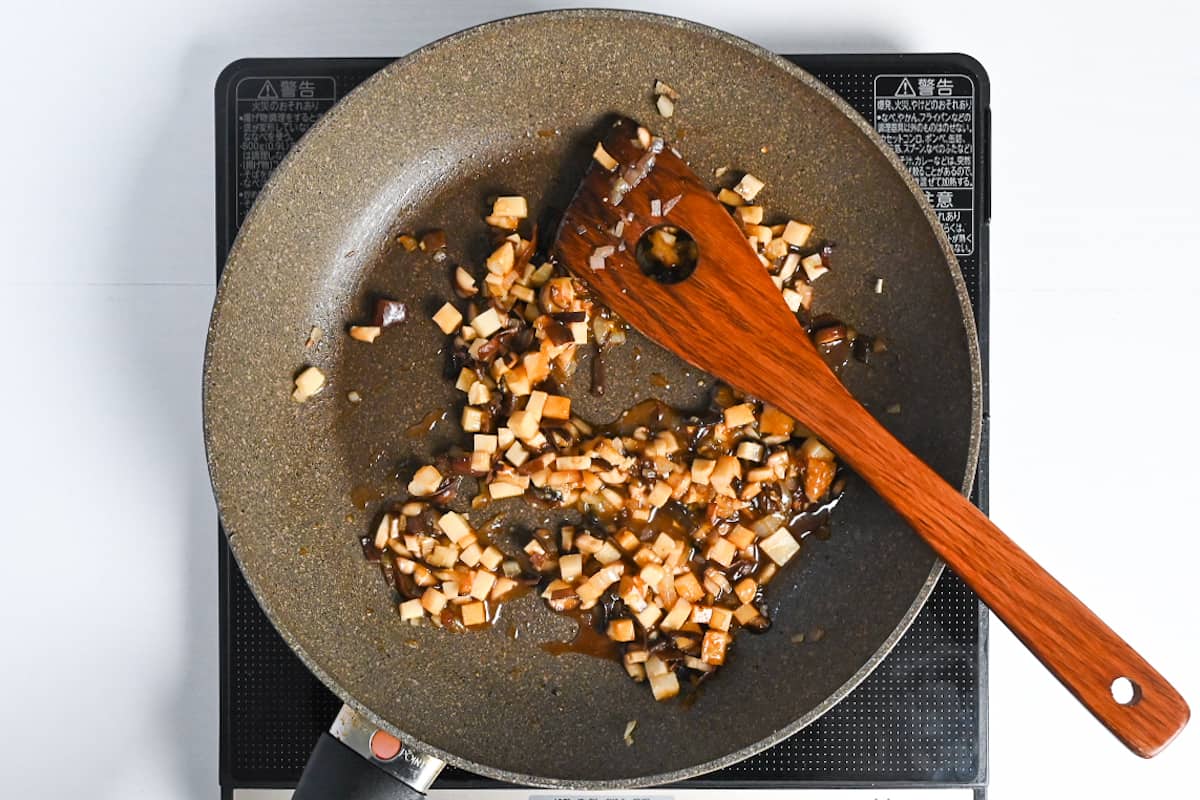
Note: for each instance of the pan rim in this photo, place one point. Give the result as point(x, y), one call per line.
point(810, 82)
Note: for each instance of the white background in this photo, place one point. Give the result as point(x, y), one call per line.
point(108, 578)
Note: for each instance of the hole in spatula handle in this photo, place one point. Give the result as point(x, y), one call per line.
point(667, 253)
point(1125, 691)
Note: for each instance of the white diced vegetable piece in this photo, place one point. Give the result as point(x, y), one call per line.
point(813, 267)
point(412, 609)
point(603, 158)
point(511, 568)
point(481, 586)
point(450, 589)
point(308, 383)
point(570, 567)
point(793, 299)
point(485, 443)
point(443, 556)
point(557, 407)
point(660, 494)
point(523, 424)
point(651, 574)
point(517, 454)
point(536, 404)
point(665, 105)
point(812, 448)
point(383, 532)
point(466, 378)
point(487, 322)
point(780, 546)
point(702, 468)
point(749, 215)
point(796, 233)
point(788, 268)
point(472, 419)
point(664, 687)
point(664, 545)
point(425, 481)
point(448, 318)
point(479, 394)
point(713, 647)
point(691, 662)
point(721, 618)
point(502, 222)
point(503, 586)
point(621, 630)
point(470, 555)
point(701, 614)
point(750, 451)
point(678, 616)
point(480, 462)
point(454, 525)
point(433, 601)
point(749, 187)
point(504, 437)
point(730, 198)
point(511, 206)
point(572, 462)
point(491, 558)
point(474, 614)
point(722, 551)
point(649, 615)
point(723, 474)
point(502, 258)
point(656, 666)
point(607, 554)
point(500, 489)
point(638, 673)
point(365, 333)
point(579, 332)
point(637, 656)
point(739, 415)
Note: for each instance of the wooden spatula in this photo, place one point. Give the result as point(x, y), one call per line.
point(720, 315)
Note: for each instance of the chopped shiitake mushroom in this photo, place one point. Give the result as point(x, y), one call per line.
point(686, 515)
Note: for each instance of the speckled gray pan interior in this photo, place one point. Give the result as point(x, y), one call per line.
point(508, 107)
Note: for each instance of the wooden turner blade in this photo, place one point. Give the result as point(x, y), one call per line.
point(721, 312)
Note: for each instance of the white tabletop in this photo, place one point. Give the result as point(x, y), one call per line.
point(108, 584)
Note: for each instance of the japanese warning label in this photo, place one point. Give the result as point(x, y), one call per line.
point(273, 113)
point(929, 120)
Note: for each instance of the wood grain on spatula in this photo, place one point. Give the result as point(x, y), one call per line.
point(728, 319)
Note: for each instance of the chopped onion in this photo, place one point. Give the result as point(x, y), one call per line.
point(596, 260)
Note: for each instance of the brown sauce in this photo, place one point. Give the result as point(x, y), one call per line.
point(427, 424)
point(588, 641)
point(364, 494)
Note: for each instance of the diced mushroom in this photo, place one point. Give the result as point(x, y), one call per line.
point(425, 482)
point(749, 187)
point(510, 206)
point(621, 630)
point(454, 525)
point(813, 266)
point(474, 614)
point(308, 383)
point(796, 233)
point(448, 318)
point(412, 609)
point(780, 546)
point(739, 415)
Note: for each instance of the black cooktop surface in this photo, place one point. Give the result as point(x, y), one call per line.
point(921, 717)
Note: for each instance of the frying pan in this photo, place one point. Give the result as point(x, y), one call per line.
point(510, 107)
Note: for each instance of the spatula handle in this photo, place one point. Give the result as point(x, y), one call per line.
point(1071, 641)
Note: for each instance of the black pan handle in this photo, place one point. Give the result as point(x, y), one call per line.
point(345, 766)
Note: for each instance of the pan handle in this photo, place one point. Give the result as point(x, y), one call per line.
point(354, 760)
